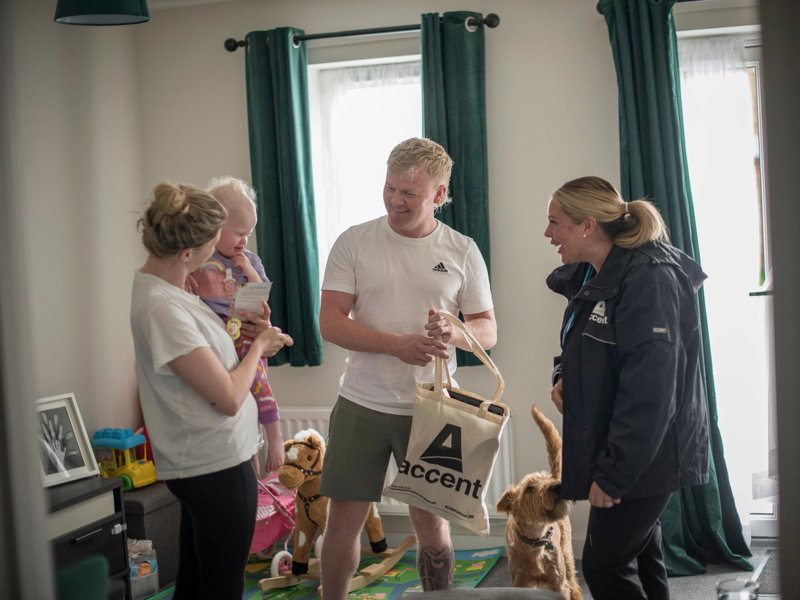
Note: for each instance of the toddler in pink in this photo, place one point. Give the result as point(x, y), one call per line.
point(233, 259)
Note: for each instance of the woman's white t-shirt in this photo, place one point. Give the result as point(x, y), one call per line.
point(394, 280)
point(189, 437)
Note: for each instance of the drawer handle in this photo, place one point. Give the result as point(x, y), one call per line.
point(87, 536)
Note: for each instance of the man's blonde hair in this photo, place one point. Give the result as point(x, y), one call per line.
point(421, 154)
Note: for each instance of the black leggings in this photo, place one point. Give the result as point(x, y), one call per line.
point(622, 557)
point(218, 516)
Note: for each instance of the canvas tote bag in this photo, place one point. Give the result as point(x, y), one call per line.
point(455, 436)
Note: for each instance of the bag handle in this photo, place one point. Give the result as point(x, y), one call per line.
point(477, 350)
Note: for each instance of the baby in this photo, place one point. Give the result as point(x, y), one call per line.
point(233, 259)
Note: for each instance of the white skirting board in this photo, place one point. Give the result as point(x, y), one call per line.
point(293, 420)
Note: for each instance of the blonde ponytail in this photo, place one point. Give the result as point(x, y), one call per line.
point(628, 224)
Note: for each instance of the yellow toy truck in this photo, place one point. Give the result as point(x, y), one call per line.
point(122, 453)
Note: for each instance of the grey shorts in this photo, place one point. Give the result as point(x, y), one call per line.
point(360, 442)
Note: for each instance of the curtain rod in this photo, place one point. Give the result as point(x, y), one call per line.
point(491, 20)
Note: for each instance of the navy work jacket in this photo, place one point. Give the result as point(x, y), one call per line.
point(635, 415)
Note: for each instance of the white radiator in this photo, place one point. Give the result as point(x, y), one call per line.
point(293, 420)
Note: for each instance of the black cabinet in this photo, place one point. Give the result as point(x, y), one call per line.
point(87, 517)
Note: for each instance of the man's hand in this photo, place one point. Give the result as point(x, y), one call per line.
point(441, 329)
point(419, 350)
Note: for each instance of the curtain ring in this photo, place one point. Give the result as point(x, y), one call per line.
point(471, 24)
point(295, 41)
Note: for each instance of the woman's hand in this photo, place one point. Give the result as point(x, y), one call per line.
point(253, 324)
point(599, 498)
point(270, 341)
point(557, 395)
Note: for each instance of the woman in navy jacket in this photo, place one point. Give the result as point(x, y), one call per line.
point(627, 380)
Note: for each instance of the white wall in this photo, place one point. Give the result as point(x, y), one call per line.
point(79, 185)
point(100, 115)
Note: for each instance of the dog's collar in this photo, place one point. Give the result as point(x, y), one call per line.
point(542, 541)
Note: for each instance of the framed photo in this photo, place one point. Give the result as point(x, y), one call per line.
point(64, 448)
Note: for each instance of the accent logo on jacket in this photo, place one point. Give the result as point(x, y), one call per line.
point(599, 313)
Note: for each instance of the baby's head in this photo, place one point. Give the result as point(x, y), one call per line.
point(239, 199)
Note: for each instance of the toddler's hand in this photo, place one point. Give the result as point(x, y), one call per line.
point(190, 285)
point(241, 261)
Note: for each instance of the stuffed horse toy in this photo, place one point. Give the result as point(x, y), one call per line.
point(305, 455)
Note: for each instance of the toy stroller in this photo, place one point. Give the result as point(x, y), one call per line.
point(274, 524)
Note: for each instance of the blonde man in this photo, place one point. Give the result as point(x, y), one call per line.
point(384, 282)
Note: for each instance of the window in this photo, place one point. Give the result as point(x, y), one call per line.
point(359, 112)
point(721, 109)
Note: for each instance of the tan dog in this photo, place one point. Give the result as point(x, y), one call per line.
point(538, 533)
point(305, 455)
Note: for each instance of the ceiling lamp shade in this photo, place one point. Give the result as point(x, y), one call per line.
point(101, 12)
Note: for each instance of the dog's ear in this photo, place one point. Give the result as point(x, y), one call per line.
point(507, 500)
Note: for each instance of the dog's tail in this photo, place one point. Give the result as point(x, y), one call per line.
point(551, 438)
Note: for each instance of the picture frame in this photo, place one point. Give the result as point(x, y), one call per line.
point(65, 449)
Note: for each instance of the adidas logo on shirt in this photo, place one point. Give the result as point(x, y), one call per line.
point(440, 268)
point(599, 313)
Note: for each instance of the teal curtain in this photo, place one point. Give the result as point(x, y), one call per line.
point(280, 161)
point(700, 524)
point(454, 115)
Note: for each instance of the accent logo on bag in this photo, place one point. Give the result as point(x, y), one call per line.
point(445, 451)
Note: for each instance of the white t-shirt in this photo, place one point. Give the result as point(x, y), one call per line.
point(394, 280)
point(189, 437)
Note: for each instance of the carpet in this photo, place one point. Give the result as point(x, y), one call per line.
point(768, 578)
point(471, 567)
point(498, 576)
